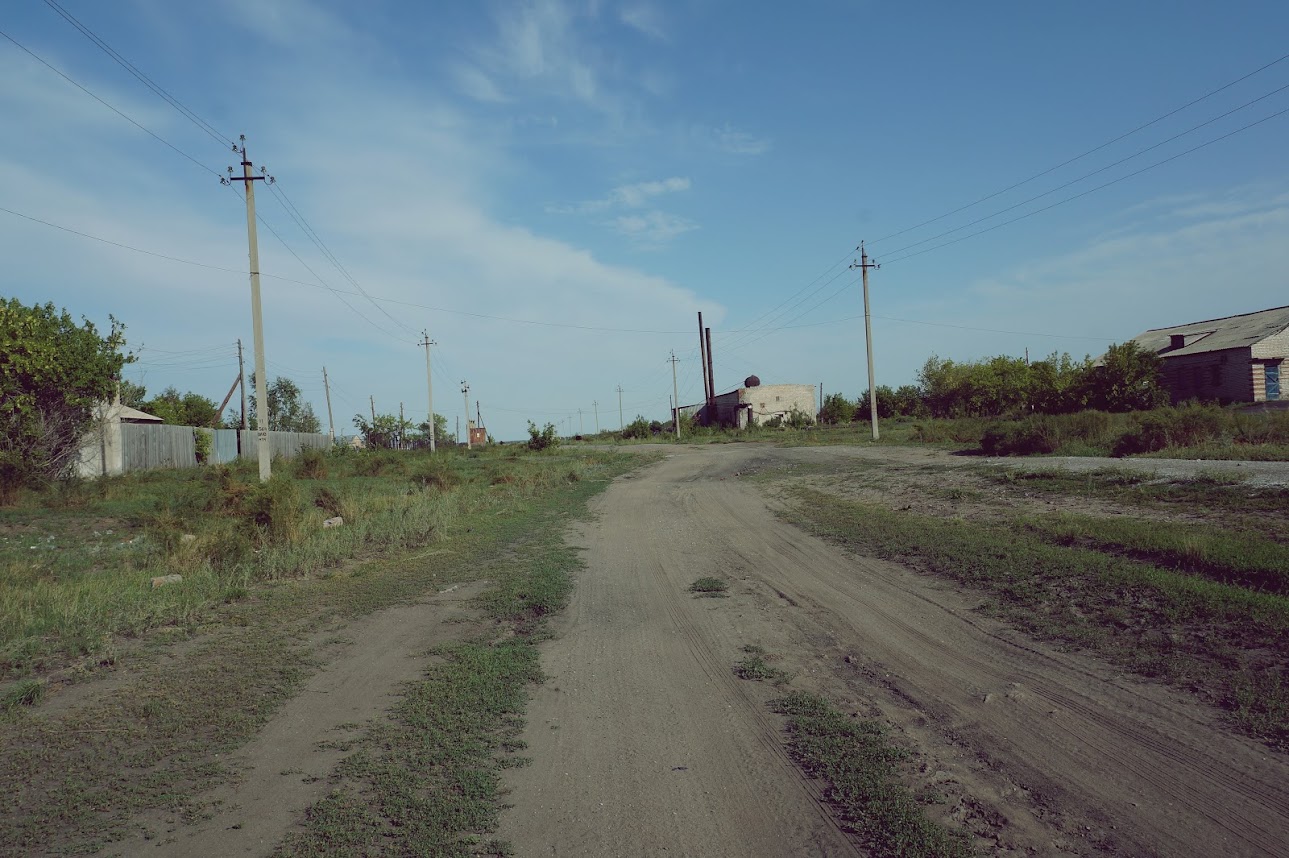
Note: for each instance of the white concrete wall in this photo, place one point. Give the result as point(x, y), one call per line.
point(778, 400)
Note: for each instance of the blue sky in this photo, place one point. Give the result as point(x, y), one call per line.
point(619, 166)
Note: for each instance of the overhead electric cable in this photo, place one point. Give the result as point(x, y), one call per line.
point(119, 113)
point(1061, 202)
point(140, 76)
point(1091, 151)
point(1089, 175)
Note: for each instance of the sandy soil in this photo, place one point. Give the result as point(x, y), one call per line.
point(284, 768)
point(645, 743)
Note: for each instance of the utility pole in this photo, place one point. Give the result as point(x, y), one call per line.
point(257, 319)
point(863, 265)
point(458, 428)
point(465, 397)
point(675, 395)
point(331, 421)
point(711, 375)
point(621, 425)
point(579, 421)
point(401, 421)
point(372, 400)
point(241, 375)
point(702, 363)
point(596, 405)
point(429, 383)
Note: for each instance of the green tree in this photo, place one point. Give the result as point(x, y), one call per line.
point(387, 430)
point(181, 409)
point(836, 409)
point(133, 395)
point(287, 412)
point(1125, 379)
point(54, 374)
point(540, 439)
point(440, 428)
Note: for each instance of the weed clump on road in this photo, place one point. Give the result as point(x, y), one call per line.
point(859, 765)
point(709, 587)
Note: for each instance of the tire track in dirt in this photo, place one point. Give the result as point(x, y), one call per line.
point(1063, 753)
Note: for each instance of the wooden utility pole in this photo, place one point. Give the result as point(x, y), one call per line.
point(579, 421)
point(458, 428)
point(863, 265)
point(372, 400)
point(621, 425)
point(331, 421)
point(257, 319)
point(401, 421)
point(465, 398)
point(675, 395)
point(596, 405)
point(429, 383)
point(241, 376)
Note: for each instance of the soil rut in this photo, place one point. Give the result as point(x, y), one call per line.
point(644, 742)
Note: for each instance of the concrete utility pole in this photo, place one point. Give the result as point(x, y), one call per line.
point(241, 375)
point(257, 320)
point(675, 395)
point(711, 375)
point(579, 421)
point(465, 398)
point(372, 400)
point(863, 265)
point(429, 383)
point(621, 425)
point(331, 421)
point(458, 428)
point(702, 362)
point(596, 405)
point(401, 421)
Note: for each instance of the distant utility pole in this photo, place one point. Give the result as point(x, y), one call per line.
point(596, 405)
point(372, 400)
point(863, 265)
point(429, 383)
point(257, 320)
point(579, 421)
point(675, 395)
point(621, 425)
point(331, 421)
point(401, 421)
point(465, 397)
point(241, 374)
point(458, 428)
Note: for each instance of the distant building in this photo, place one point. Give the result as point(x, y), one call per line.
point(1232, 359)
point(102, 448)
point(755, 406)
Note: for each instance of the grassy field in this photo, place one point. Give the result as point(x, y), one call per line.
point(1198, 603)
point(261, 580)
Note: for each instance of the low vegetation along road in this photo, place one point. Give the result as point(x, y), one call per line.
point(762, 650)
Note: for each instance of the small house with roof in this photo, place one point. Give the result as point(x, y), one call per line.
point(1231, 359)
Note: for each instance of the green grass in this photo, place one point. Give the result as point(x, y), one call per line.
point(72, 782)
point(1245, 559)
point(1216, 639)
point(756, 666)
point(709, 587)
point(861, 769)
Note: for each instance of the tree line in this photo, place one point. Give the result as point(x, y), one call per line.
point(1125, 378)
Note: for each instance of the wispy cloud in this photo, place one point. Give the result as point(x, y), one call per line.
point(645, 18)
point(654, 228)
point(734, 141)
point(477, 85)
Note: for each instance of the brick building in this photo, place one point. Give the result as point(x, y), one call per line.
point(1232, 359)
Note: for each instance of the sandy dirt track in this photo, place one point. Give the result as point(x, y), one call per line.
point(645, 743)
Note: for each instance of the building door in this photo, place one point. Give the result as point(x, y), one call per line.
point(1272, 371)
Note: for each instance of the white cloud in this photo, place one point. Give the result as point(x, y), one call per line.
point(646, 19)
point(733, 141)
point(477, 85)
point(652, 228)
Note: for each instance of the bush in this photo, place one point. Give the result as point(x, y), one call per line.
point(542, 439)
point(275, 509)
point(1186, 426)
point(638, 428)
point(311, 465)
point(1036, 435)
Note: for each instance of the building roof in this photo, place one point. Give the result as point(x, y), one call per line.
point(1215, 335)
point(117, 411)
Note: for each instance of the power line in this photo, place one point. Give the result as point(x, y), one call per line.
point(140, 76)
point(1091, 174)
point(119, 113)
point(1092, 190)
point(1085, 154)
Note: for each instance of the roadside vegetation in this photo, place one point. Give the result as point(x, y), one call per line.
point(262, 580)
point(1200, 605)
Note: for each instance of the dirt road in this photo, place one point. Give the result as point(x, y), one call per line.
point(644, 742)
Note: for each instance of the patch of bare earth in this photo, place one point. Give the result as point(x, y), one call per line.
point(285, 768)
point(644, 742)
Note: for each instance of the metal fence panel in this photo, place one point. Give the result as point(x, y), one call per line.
point(145, 446)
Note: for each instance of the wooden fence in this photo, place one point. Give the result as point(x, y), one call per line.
point(152, 445)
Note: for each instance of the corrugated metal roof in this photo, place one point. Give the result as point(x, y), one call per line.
point(1214, 335)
